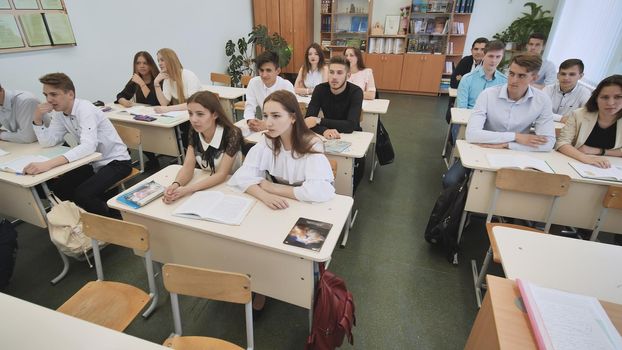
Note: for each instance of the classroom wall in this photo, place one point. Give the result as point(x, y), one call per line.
point(493, 16)
point(109, 32)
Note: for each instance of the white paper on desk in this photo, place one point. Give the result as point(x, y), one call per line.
point(215, 206)
point(173, 114)
point(3, 152)
point(498, 160)
point(18, 165)
point(568, 321)
point(590, 171)
point(139, 110)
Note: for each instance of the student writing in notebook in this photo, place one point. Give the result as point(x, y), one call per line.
point(595, 130)
point(86, 185)
point(140, 88)
point(567, 94)
point(360, 75)
point(290, 154)
point(313, 72)
point(214, 146)
point(16, 111)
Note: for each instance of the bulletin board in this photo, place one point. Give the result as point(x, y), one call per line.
point(27, 25)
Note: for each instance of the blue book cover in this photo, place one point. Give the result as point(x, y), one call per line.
point(363, 27)
point(355, 24)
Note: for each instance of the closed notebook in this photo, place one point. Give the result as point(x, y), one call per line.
point(614, 173)
point(17, 165)
point(561, 320)
point(498, 160)
point(142, 195)
point(308, 234)
point(215, 206)
point(336, 146)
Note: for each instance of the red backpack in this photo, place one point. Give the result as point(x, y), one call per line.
point(333, 314)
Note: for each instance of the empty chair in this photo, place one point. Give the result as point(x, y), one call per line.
point(106, 303)
point(220, 78)
point(612, 200)
point(208, 284)
point(525, 181)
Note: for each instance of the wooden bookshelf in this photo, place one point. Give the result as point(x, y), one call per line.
point(344, 23)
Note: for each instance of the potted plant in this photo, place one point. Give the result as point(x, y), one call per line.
point(537, 20)
point(240, 56)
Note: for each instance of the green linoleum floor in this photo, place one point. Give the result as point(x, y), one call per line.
point(407, 295)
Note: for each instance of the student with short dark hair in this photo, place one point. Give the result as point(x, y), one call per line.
point(484, 76)
point(267, 81)
point(86, 185)
point(595, 130)
point(547, 73)
point(16, 111)
point(469, 63)
point(567, 94)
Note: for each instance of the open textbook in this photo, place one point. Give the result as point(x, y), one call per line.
point(215, 206)
point(614, 173)
point(561, 320)
point(17, 165)
point(497, 160)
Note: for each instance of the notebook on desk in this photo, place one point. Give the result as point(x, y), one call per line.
point(498, 161)
point(215, 206)
point(614, 173)
point(16, 166)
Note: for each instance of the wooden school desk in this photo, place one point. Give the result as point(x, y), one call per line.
point(227, 95)
point(255, 247)
point(460, 117)
point(579, 208)
point(369, 122)
point(452, 92)
point(28, 326)
point(502, 324)
point(573, 265)
point(162, 136)
point(19, 196)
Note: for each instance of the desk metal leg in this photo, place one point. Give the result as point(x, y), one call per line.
point(374, 163)
point(180, 144)
point(444, 153)
point(349, 223)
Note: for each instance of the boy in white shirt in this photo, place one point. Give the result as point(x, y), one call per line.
point(264, 84)
point(87, 184)
point(566, 94)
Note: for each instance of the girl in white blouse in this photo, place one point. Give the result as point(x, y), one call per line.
point(359, 74)
point(290, 154)
point(174, 83)
point(214, 147)
point(313, 72)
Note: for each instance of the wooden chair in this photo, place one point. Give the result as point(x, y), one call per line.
point(239, 106)
point(220, 78)
point(209, 284)
point(525, 181)
point(112, 304)
point(612, 200)
point(132, 137)
point(303, 108)
point(333, 166)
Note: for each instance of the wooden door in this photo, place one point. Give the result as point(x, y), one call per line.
point(375, 62)
point(391, 73)
point(411, 72)
point(286, 29)
point(431, 74)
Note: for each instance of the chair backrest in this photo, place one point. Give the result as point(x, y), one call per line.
point(613, 198)
point(245, 79)
point(303, 108)
point(220, 78)
point(132, 137)
point(205, 283)
point(119, 232)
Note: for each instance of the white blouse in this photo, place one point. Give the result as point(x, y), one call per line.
point(313, 78)
point(311, 174)
point(192, 84)
point(217, 143)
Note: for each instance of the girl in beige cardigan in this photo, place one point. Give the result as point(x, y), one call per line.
point(582, 137)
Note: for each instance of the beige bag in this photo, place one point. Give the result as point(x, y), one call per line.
point(65, 228)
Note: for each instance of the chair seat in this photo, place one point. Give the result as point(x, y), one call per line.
point(110, 304)
point(135, 172)
point(239, 106)
point(200, 343)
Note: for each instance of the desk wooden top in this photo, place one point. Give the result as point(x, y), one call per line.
point(573, 265)
point(512, 322)
point(376, 106)
point(29, 326)
point(452, 92)
point(225, 92)
point(461, 116)
point(118, 113)
point(360, 143)
point(262, 227)
point(474, 157)
point(20, 149)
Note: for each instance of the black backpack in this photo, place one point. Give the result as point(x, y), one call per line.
point(384, 148)
point(8, 251)
point(444, 220)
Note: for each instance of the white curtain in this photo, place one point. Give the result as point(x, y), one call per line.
point(589, 30)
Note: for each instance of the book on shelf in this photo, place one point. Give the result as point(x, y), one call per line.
point(449, 67)
point(16, 166)
point(563, 320)
point(142, 195)
point(308, 234)
point(336, 146)
point(614, 173)
point(498, 161)
point(215, 206)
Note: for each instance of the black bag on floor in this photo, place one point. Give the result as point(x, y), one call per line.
point(384, 148)
point(8, 251)
point(444, 220)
